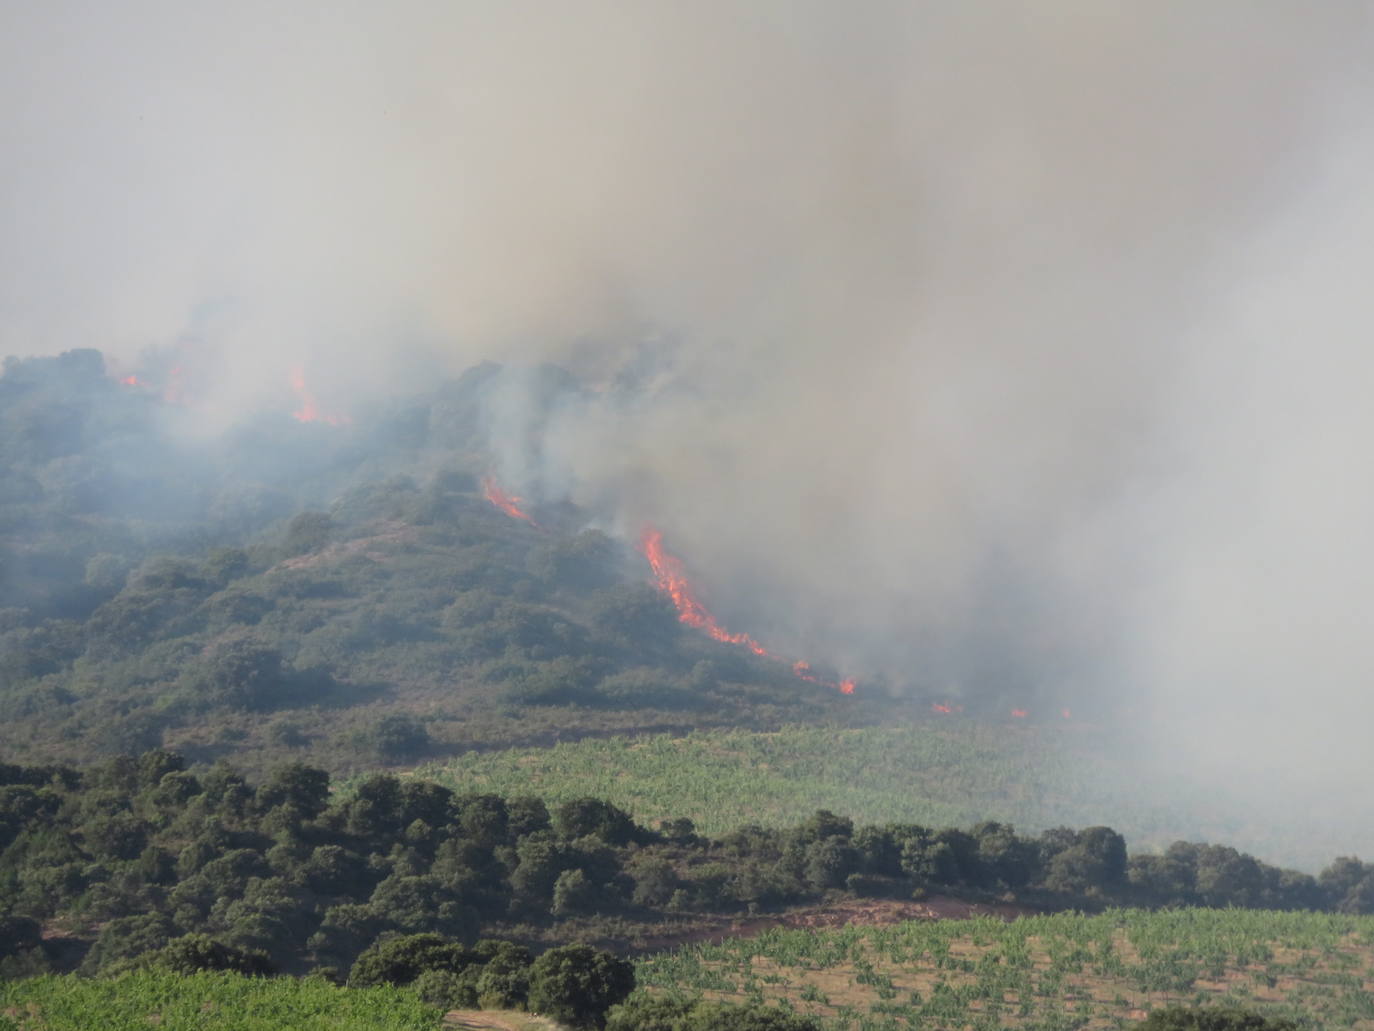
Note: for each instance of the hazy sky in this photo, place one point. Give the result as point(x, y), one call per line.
point(990, 344)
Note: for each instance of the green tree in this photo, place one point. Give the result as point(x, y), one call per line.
point(828, 862)
point(584, 817)
point(401, 960)
point(576, 984)
point(241, 672)
point(504, 980)
point(295, 784)
point(398, 735)
point(573, 893)
point(193, 952)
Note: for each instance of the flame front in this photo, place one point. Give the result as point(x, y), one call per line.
point(671, 579)
point(507, 503)
point(309, 410)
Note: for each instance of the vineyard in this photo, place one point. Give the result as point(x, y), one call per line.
point(1048, 972)
point(207, 1002)
point(936, 772)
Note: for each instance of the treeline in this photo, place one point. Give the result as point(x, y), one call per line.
point(127, 857)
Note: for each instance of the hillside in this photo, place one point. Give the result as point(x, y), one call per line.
point(920, 767)
point(231, 599)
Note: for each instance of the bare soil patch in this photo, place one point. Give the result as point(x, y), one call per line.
point(497, 1020)
point(864, 912)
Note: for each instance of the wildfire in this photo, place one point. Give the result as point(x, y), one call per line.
point(940, 707)
point(309, 410)
point(671, 579)
point(507, 503)
point(129, 381)
point(1020, 714)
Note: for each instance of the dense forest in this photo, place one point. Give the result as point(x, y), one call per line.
point(135, 854)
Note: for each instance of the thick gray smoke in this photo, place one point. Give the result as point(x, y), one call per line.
point(998, 347)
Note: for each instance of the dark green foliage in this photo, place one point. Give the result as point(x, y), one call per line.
point(139, 852)
point(655, 880)
point(503, 981)
point(297, 785)
point(576, 984)
point(241, 672)
point(446, 989)
point(1350, 884)
point(18, 933)
point(573, 893)
point(828, 862)
point(591, 817)
point(401, 960)
point(423, 903)
point(397, 736)
point(194, 952)
point(1182, 1018)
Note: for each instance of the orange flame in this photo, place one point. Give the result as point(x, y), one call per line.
point(129, 381)
point(940, 707)
point(1020, 714)
point(309, 411)
point(671, 579)
point(507, 503)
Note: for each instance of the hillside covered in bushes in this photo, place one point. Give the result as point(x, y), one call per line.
point(341, 594)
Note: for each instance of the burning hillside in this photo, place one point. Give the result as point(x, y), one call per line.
point(671, 578)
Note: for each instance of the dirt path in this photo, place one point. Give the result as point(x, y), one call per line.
point(497, 1020)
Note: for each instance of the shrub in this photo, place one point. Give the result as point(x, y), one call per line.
point(577, 984)
point(401, 960)
point(193, 952)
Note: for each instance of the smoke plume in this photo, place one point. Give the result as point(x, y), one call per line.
point(1005, 348)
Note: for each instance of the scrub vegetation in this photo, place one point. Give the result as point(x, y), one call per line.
point(1060, 971)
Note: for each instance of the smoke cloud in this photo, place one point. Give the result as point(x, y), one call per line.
point(1000, 348)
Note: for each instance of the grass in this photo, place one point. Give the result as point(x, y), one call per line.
point(207, 1002)
point(940, 772)
point(1060, 971)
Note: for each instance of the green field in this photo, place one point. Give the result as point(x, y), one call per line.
point(1061, 971)
point(207, 1002)
point(938, 773)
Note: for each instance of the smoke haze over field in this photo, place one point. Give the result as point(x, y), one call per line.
point(988, 347)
